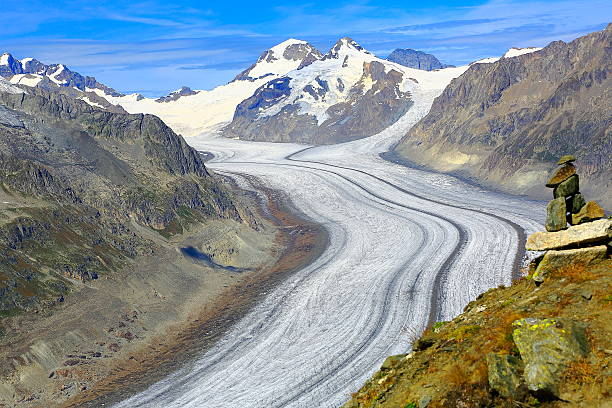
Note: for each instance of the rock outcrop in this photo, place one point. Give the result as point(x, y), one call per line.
point(416, 59)
point(504, 124)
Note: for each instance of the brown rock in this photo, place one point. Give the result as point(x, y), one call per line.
point(568, 158)
point(554, 260)
point(567, 188)
point(591, 211)
point(555, 215)
point(596, 231)
point(561, 175)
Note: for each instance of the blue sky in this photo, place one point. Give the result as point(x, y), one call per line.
point(156, 46)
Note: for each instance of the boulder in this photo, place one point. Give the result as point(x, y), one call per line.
point(561, 175)
point(590, 212)
point(577, 203)
point(546, 346)
point(504, 374)
point(567, 188)
point(596, 231)
point(568, 158)
point(554, 260)
point(555, 215)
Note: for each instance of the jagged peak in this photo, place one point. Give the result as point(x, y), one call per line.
point(284, 57)
point(344, 46)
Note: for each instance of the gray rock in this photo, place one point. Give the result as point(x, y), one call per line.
point(568, 187)
point(415, 59)
point(546, 346)
point(577, 203)
point(424, 402)
point(504, 374)
point(555, 215)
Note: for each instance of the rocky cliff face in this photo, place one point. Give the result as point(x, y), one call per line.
point(505, 123)
point(78, 184)
point(345, 95)
point(416, 59)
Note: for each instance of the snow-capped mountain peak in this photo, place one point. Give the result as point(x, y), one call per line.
point(345, 47)
point(280, 59)
point(33, 73)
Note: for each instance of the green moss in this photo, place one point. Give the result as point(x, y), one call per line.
point(464, 332)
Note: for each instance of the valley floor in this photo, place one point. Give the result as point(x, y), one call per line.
point(116, 336)
point(406, 247)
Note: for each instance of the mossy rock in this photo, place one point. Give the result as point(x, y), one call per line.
point(555, 215)
point(561, 175)
point(568, 158)
point(504, 374)
point(568, 187)
point(546, 347)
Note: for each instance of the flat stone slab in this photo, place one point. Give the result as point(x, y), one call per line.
point(596, 231)
point(554, 260)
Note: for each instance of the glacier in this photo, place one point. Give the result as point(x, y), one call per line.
point(406, 247)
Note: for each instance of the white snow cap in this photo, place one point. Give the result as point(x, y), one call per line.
point(515, 51)
point(4, 59)
point(278, 49)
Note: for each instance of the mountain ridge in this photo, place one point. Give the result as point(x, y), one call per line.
point(504, 122)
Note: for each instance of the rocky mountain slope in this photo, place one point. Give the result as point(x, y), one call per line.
point(542, 342)
point(416, 59)
point(505, 122)
point(75, 178)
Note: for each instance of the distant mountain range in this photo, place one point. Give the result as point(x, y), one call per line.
point(293, 92)
point(416, 59)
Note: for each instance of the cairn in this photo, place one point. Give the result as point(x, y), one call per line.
point(587, 238)
point(568, 204)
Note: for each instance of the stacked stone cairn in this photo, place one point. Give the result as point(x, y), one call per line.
point(587, 239)
point(568, 205)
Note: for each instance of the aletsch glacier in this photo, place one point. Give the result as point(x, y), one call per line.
point(406, 246)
